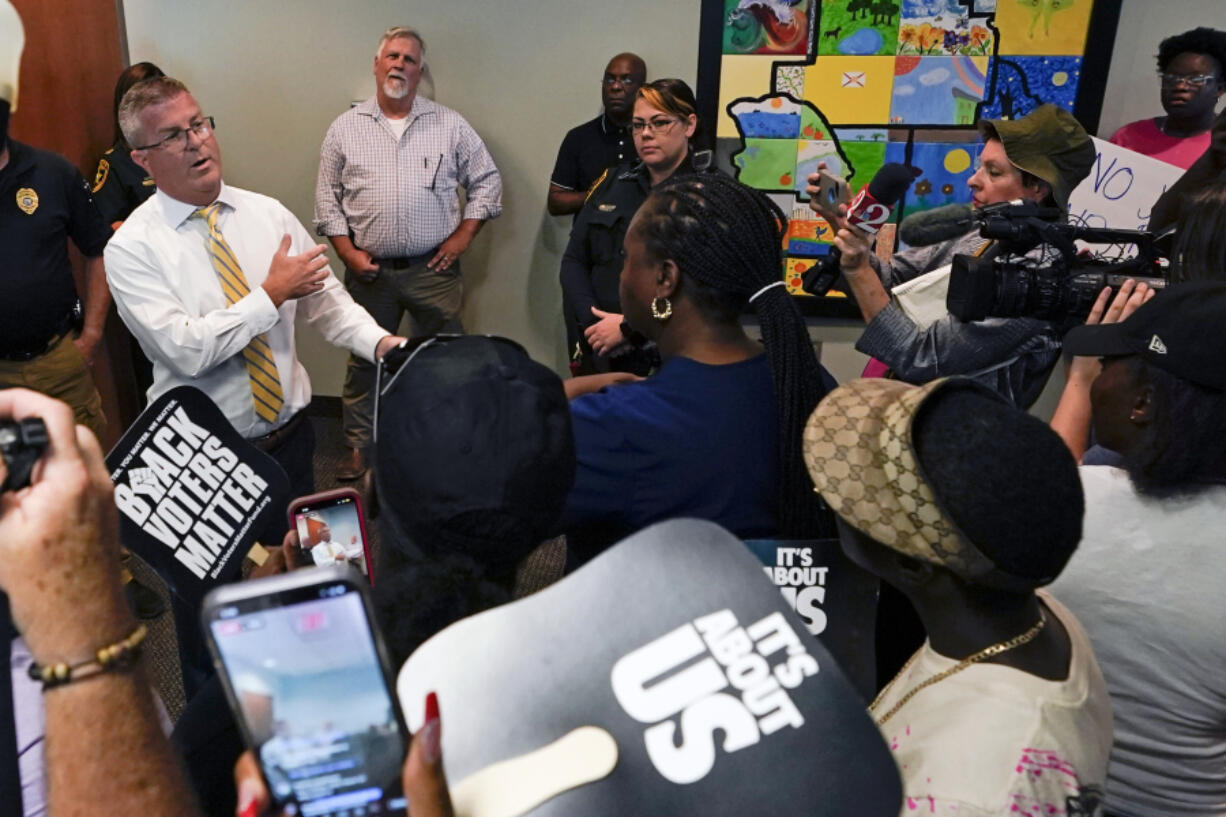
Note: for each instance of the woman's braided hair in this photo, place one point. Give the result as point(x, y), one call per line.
point(726, 239)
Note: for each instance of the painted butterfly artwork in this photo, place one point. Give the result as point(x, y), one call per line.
point(1044, 9)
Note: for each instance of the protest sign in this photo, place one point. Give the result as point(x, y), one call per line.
point(834, 597)
point(192, 494)
point(666, 676)
point(1120, 193)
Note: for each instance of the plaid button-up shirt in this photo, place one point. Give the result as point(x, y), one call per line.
point(399, 197)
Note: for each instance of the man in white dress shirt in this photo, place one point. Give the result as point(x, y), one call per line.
point(209, 278)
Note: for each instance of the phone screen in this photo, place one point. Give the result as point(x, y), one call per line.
point(330, 531)
point(319, 714)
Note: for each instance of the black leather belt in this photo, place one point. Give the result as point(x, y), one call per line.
point(274, 438)
point(407, 261)
point(38, 350)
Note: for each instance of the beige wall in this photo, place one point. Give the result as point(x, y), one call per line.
point(522, 73)
point(275, 74)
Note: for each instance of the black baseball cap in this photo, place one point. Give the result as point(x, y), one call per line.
point(1180, 330)
point(475, 451)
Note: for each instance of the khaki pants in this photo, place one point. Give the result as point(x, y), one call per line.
point(60, 373)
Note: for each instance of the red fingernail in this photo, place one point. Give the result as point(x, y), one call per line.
point(431, 707)
point(249, 800)
point(431, 732)
point(431, 738)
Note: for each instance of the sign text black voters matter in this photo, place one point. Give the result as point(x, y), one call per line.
point(192, 493)
point(667, 676)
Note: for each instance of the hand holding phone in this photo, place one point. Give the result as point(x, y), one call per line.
point(306, 675)
point(827, 192)
point(331, 529)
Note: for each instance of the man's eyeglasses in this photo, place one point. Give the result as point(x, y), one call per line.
point(658, 124)
point(625, 82)
point(397, 360)
point(176, 141)
point(1191, 80)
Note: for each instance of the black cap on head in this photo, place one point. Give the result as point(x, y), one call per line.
point(475, 451)
point(1004, 477)
point(1178, 330)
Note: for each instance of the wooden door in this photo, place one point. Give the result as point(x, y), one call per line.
point(73, 55)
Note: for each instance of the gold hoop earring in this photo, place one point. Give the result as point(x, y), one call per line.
point(661, 314)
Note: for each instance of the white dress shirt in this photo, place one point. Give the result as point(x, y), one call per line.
point(168, 294)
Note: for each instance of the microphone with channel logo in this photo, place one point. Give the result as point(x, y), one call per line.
point(869, 211)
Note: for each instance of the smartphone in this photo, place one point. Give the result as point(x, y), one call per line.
point(306, 675)
point(332, 529)
point(831, 192)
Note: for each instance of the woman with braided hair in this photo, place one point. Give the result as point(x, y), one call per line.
point(715, 434)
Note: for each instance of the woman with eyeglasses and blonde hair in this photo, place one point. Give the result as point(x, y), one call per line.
point(664, 122)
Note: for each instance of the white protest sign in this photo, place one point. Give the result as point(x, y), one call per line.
point(1119, 193)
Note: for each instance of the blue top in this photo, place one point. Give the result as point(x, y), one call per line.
point(695, 440)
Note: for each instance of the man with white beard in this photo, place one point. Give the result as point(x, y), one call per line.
point(387, 198)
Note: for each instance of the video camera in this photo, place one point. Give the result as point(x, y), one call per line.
point(22, 444)
point(1060, 285)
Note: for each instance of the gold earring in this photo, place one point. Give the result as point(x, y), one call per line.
point(661, 314)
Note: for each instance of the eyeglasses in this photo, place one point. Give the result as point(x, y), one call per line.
point(176, 141)
point(1191, 80)
point(397, 360)
point(625, 82)
point(659, 124)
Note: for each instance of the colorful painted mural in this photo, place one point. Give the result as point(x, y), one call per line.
point(873, 81)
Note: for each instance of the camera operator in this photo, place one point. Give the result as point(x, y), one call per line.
point(1040, 158)
point(59, 541)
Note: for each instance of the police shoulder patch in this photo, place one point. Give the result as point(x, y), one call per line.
point(104, 169)
point(595, 184)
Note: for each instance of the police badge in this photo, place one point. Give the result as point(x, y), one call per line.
point(27, 200)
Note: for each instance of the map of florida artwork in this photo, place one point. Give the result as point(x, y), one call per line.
point(874, 81)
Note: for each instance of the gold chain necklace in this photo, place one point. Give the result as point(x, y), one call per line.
point(986, 652)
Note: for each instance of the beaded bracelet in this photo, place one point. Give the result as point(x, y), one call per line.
point(118, 656)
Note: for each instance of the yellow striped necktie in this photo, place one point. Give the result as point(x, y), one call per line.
point(261, 369)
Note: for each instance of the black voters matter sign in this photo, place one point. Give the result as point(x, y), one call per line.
point(667, 676)
point(192, 493)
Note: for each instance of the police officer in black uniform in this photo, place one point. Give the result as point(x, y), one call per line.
point(120, 186)
point(46, 338)
point(664, 120)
